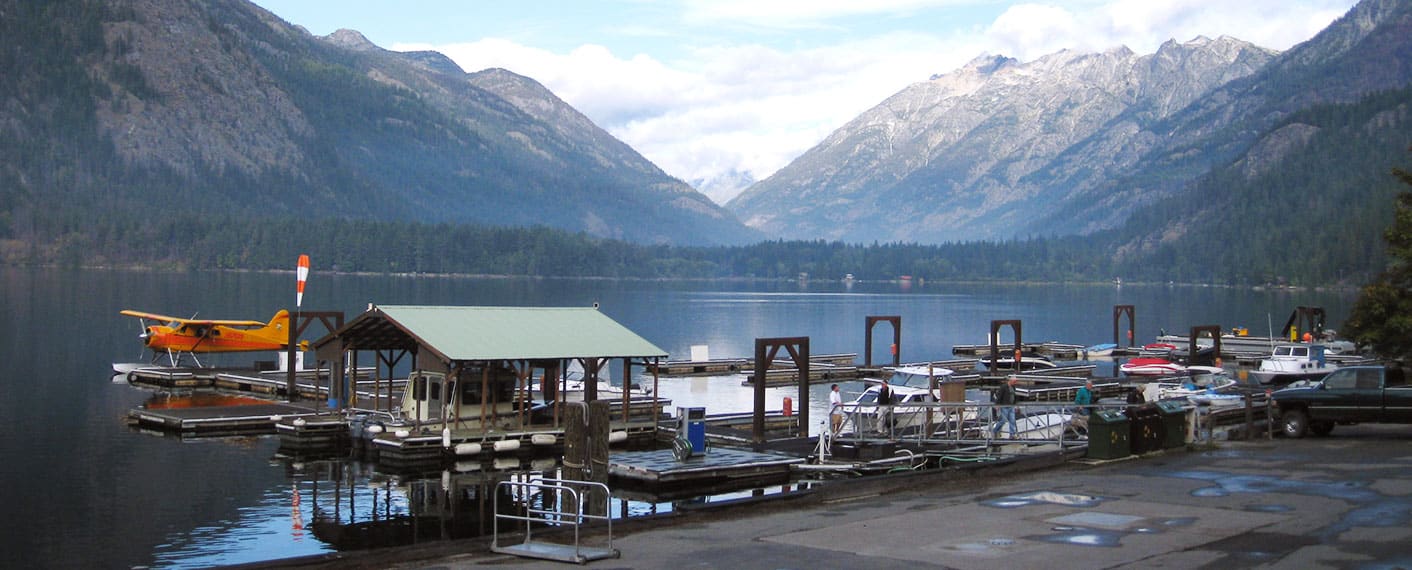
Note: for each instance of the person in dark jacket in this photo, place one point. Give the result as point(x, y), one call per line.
point(1005, 402)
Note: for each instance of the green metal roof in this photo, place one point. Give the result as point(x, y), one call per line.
point(496, 333)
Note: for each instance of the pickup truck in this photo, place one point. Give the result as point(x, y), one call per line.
point(1354, 394)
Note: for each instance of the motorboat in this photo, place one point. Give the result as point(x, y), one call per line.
point(1217, 400)
point(911, 386)
point(1151, 366)
point(1157, 349)
point(1200, 381)
point(1291, 362)
point(1100, 350)
point(1046, 426)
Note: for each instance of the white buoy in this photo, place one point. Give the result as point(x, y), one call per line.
point(467, 449)
point(507, 445)
point(617, 437)
point(403, 433)
point(446, 437)
point(299, 422)
point(543, 464)
point(276, 418)
point(374, 429)
point(467, 466)
point(543, 439)
point(507, 463)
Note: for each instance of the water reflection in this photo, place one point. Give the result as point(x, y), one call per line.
point(337, 504)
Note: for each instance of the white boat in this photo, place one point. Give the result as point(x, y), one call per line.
point(1216, 400)
point(1157, 350)
point(910, 385)
point(1292, 362)
point(1047, 426)
point(1151, 366)
point(124, 368)
point(1202, 381)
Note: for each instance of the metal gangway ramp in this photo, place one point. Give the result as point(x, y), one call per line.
point(569, 494)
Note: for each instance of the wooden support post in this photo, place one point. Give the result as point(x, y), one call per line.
point(765, 351)
point(1118, 312)
point(598, 428)
point(872, 321)
point(575, 442)
point(995, 342)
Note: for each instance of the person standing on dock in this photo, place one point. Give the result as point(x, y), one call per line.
point(1005, 402)
point(1084, 400)
point(884, 406)
point(835, 409)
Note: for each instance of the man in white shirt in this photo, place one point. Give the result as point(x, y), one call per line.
point(835, 409)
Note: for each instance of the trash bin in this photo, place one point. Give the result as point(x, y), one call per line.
point(1146, 434)
point(1173, 424)
point(1108, 435)
point(692, 425)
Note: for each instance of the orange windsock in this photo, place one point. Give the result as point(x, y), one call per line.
point(303, 275)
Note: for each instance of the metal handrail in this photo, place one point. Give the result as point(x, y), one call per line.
point(551, 516)
point(858, 417)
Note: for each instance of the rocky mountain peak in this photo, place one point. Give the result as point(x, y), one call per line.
point(350, 39)
point(960, 157)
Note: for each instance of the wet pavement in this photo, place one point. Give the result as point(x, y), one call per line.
point(1343, 501)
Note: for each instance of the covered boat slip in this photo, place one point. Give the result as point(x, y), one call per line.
point(472, 368)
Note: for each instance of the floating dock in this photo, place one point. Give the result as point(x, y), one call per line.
point(218, 420)
point(661, 467)
point(1051, 348)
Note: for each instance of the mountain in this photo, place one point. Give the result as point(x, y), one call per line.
point(956, 157)
point(1296, 174)
point(219, 108)
point(1080, 144)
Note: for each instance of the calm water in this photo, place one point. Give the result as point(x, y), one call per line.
point(84, 490)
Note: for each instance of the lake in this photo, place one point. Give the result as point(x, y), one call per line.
point(86, 490)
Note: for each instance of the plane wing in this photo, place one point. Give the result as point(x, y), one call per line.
point(212, 322)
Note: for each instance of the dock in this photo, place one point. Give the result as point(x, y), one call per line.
point(661, 468)
point(1050, 348)
point(214, 421)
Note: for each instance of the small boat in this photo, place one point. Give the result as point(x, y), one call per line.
point(1292, 362)
point(1216, 400)
point(1048, 425)
point(1100, 350)
point(1157, 349)
point(1151, 366)
point(909, 385)
point(123, 368)
point(1202, 380)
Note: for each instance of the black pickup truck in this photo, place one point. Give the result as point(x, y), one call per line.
point(1366, 394)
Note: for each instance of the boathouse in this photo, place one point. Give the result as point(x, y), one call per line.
point(483, 370)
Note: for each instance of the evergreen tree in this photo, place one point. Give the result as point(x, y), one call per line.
point(1382, 316)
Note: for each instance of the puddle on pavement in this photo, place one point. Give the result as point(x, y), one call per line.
point(1083, 537)
point(1374, 509)
point(1044, 497)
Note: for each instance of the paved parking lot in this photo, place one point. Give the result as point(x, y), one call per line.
point(1343, 501)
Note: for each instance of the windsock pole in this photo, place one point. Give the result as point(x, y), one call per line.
point(301, 275)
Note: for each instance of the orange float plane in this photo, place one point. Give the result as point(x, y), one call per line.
point(190, 336)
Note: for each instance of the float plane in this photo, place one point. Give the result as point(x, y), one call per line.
point(190, 336)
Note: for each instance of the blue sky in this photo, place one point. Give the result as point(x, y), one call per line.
point(707, 88)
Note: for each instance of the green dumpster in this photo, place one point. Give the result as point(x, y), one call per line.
point(1174, 419)
point(1108, 435)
